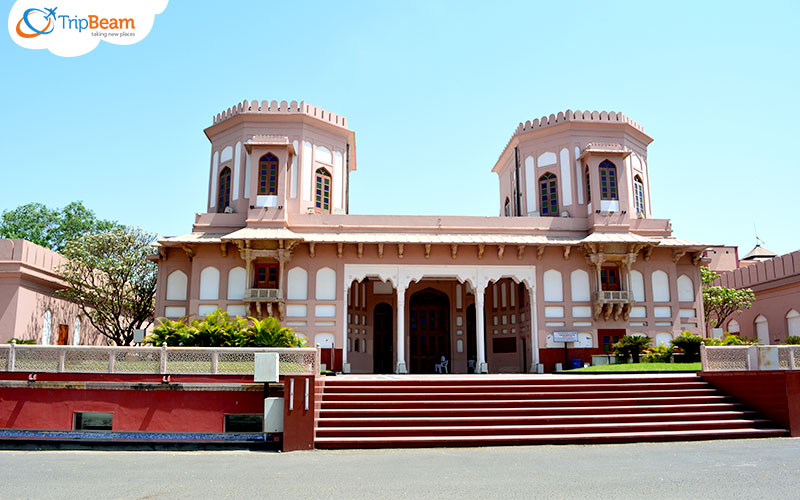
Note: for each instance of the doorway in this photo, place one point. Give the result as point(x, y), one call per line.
point(63, 334)
point(382, 351)
point(429, 330)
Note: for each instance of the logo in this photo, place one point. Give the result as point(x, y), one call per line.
point(75, 27)
point(49, 16)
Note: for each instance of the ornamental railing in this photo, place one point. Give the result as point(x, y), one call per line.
point(263, 295)
point(613, 296)
point(152, 360)
point(750, 357)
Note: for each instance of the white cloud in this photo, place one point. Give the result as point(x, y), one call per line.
point(76, 27)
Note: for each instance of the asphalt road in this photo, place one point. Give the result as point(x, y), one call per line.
point(746, 469)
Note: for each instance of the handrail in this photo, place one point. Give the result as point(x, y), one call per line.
point(152, 360)
point(750, 357)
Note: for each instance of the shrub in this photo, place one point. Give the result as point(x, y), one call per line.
point(658, 354)
point(793, 339)
point(731, 339)
point(14, 340)
point(631, 346)
point(690, 345)
point(219, 329)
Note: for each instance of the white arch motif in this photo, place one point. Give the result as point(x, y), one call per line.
point(176, 285)
point(209, 283)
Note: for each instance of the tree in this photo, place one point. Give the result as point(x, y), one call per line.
point(111, 279)
point(51, 228)
point(720, 302)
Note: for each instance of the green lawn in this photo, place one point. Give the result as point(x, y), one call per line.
point(641, 367)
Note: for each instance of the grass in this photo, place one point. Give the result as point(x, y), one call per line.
point(641, 367)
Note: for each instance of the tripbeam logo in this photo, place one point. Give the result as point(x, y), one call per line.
point(30, 17)
point(75, 27)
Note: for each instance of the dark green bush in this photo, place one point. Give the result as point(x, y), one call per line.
point(793, 339)
point(630, 347)
point(219, 329)
point(690, 345)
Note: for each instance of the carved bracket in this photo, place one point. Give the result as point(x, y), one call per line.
point(540, 252)
point(500, 249)
point(312, 249)
point(453, 251)
point(481, 248)
point(380, 250)
point(427, 250)
point(520, 252)
point(567, 250)
point(339, 249)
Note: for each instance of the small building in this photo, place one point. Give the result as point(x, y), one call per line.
point(29, 308)
point(575, 248)
point(775, 314)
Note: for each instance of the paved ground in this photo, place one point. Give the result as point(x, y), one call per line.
point(747, 469)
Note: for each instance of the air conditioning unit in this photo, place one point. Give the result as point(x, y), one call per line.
point(310, 210)
point(228, 210)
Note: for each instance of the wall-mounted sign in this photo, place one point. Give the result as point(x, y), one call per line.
point(568, 336)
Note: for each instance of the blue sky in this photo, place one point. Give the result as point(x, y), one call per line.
point(433, 91)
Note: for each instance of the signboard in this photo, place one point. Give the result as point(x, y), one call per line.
point(569, 336)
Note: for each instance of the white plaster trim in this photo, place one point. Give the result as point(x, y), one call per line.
point(338, 180)
point(578, 176)
point(214, 166)
point(566, 179)
point(236, 164)
point(294, 173)
point(403, 275)
point(308, 172)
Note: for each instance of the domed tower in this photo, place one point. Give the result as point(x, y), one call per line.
point(269, 159)
point(575, 164)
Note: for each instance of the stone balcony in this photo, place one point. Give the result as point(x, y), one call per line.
point(263, 295)
point(614, 304)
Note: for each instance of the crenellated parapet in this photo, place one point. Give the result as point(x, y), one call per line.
point(576, 116)
point(282, 107)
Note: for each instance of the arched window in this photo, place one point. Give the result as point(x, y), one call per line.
point(224, 198)
point(548, 193)
point(762, 329)
point(793, 323)
point(588, 185)
point(322, 199)
point(608, 181)
point(76, 336)
point(268, 174)
point(507, 208)
point(638, 195)
point(733, 326)
point(47, 327)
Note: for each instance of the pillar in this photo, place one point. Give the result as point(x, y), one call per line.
point(401, 329)
point(345, 297)
point(480, 334)
point(534, 330)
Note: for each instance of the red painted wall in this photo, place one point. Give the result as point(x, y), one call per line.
point(550, 356)
point(775, 394)
point(133, 409)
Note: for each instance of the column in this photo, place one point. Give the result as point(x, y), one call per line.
point(534, 330)
point(480, 364)
point(401, 328)
point(345, 365)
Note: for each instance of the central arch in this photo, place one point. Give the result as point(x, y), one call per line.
point(429, 329)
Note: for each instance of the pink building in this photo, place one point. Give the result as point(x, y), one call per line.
point(575, 250)
point(29, 308)
point(775, 314)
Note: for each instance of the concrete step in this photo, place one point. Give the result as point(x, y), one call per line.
point(524, 410)
point(566, 438)
point(439, 380)
point(491, 395)
point(414, 388)
point(512, 403)
point(520, 430)
point(360, 421)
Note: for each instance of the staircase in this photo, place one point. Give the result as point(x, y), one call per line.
point(409, 411)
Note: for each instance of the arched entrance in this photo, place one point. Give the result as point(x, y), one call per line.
point(429, 329)
point(382, 345)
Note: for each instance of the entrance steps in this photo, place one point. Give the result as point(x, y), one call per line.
point(409, 411)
